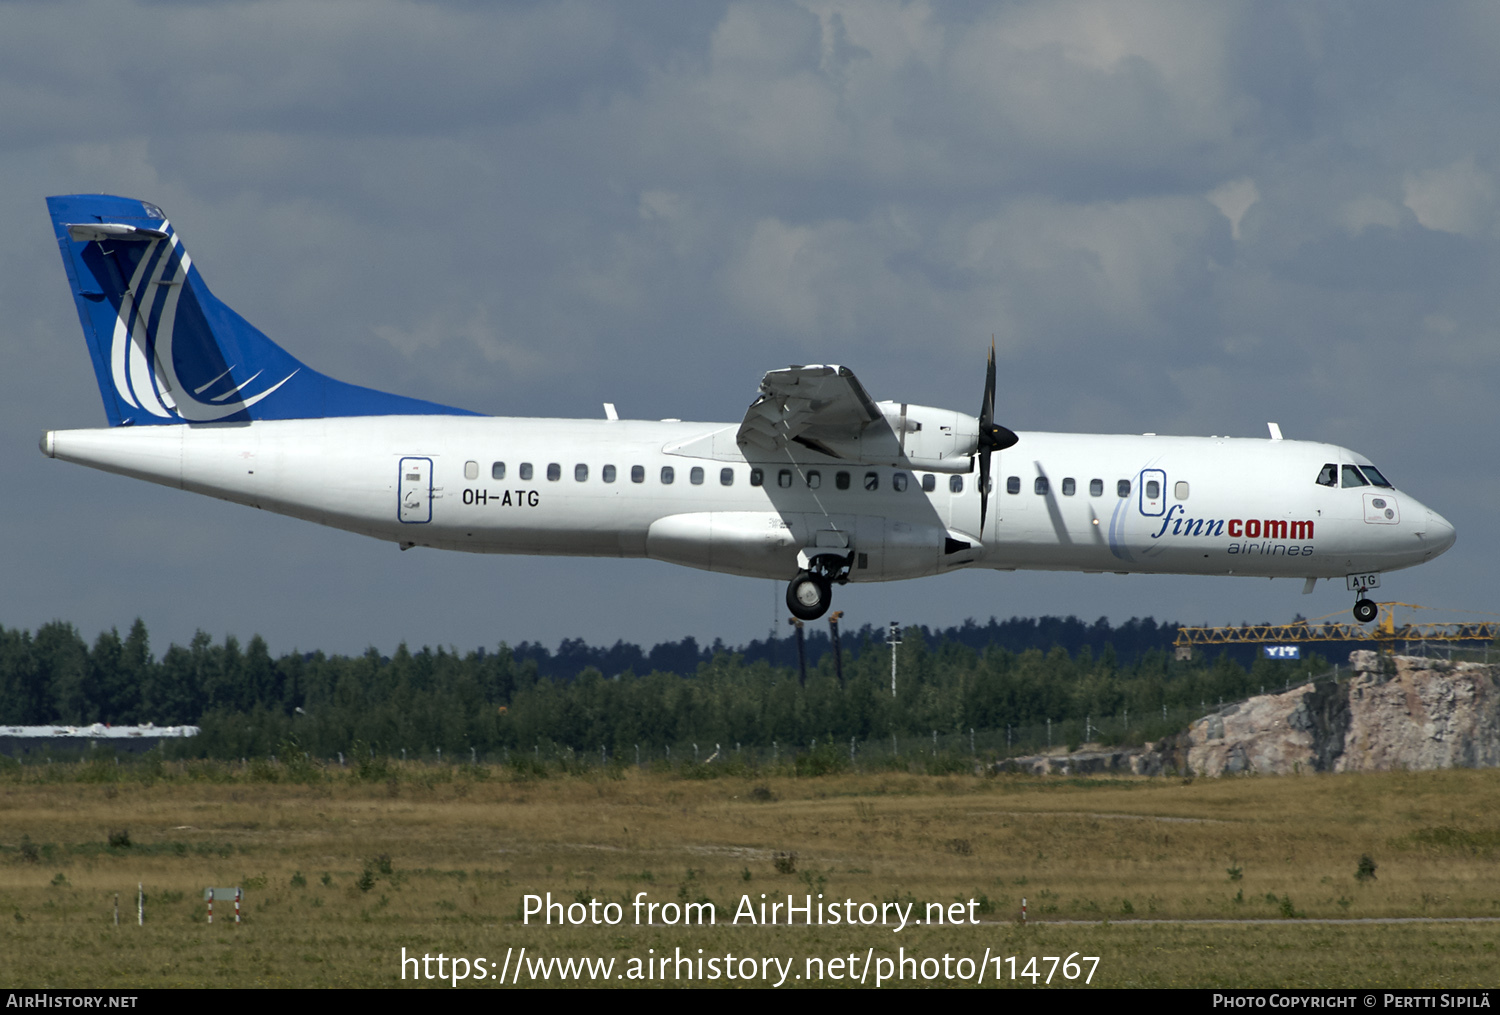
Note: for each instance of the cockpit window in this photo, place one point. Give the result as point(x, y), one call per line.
point(1352, 477)
point(1374, 476)
point(1329, 476)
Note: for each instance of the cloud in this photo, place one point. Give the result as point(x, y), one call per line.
point(121, 69)
point(1171, 216)
point(1360, 213)
point(1234, 199)
point(1037, 273)
point(1457, 198)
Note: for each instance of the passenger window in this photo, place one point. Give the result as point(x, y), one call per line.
point(872, 481)
point(1180, 491)
point(1013, 484)
point(580, 472)
point(1122, 488)
point(1096, 488)
point(497, 471)
point(726, 477)
point(471, 470)
point(814, 479)
point(608, 474)
point(784, 478)
point(1040, 486)
point(955, 484)
point(696, 476)
point(757, 477)
point(554, 472)
point(929, 483)
point(667, 475)
point(1375, 477)
point(526, 470)
point(637, 473)
point(841, 480)
point(1153, 490)
point(1352, 477)
point(898, 481)
point(1329, 475)
point(1069, 487)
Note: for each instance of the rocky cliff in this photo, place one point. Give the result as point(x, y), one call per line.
point(1393, 712)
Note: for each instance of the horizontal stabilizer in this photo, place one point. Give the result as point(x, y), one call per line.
point(86, 231)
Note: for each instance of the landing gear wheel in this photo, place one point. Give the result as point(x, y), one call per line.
point(1365, 611)
point(808, 596)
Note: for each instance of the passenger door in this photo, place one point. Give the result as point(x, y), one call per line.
point(415, 487)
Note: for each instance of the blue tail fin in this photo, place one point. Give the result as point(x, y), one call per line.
point(165, 350)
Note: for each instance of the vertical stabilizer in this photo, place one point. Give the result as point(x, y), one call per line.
point(165, 350)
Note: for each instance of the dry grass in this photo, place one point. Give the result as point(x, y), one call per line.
point(341, 875)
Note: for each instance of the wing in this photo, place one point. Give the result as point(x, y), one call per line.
point(815, 406)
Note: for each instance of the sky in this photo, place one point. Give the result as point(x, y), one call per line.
point(1187, 218)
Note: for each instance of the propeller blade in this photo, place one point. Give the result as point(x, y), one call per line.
point(987, 406)
point(992, 438)
point(984, 490)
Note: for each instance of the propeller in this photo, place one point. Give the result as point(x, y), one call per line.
point(992, 438)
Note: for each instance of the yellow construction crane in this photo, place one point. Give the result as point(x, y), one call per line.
point(1383, 634)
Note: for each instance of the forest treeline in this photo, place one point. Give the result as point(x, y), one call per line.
point(1130, 640)
point(251, 704)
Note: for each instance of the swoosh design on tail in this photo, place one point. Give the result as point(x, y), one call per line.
point(144, 371)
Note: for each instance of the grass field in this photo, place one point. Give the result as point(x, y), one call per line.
point(341, 873)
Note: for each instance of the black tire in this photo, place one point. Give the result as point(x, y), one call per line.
point(808, 596)
point(1365, 611)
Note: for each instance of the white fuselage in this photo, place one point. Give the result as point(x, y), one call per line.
point(1082, 502)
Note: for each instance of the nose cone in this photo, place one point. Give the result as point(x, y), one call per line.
point(1440, 534)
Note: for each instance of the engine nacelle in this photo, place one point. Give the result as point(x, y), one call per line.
point(927, 438)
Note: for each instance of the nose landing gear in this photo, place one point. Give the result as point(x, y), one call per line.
point(810, 593)
point(1365, 609)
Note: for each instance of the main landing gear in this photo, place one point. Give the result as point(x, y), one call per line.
point(810, 593)
point(1365, 610)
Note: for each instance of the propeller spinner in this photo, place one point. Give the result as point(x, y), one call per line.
point(992, 438)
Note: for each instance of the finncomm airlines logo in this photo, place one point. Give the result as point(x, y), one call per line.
point(1295, 533)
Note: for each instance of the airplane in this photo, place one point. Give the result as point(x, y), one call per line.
point(818, 484)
